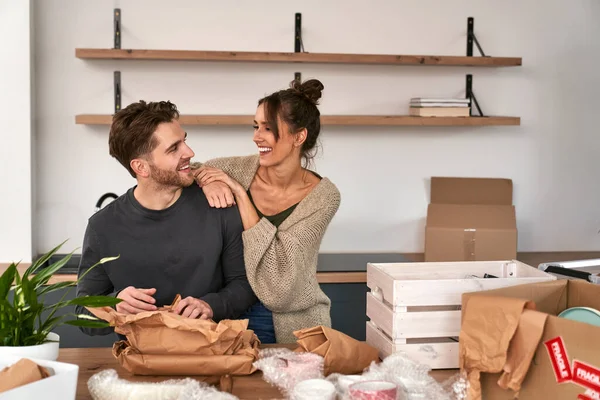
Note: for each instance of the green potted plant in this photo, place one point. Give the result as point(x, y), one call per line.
point(27, 322)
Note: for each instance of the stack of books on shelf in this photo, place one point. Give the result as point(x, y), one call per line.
point(423, 107)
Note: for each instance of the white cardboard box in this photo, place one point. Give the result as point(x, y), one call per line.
point(61, 385)
point(415, 307)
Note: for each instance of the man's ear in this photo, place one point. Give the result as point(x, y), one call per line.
point(300, 137)
point(140, 167)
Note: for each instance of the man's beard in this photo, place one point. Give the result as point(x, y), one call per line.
point(166, 178)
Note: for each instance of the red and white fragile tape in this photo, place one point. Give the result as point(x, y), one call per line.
point(589, 395)
point(560, 359)
point(586, 375)
point(580, 373)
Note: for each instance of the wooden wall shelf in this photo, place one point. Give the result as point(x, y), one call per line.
point(339, 120)
point(301, 57)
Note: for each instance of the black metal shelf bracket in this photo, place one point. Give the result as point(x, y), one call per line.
point(117, 27)
point(117, 91)
point(471, 96)
point(472, 38)
point(298, 77)
point(298, 44)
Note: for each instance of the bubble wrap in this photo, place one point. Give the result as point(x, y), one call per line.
point(106, 385)
point(284, 368)
point(412, 379)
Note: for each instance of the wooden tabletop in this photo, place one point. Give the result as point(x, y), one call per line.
point(94, 360)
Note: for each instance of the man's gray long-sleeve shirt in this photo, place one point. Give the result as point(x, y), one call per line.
point(189, 249)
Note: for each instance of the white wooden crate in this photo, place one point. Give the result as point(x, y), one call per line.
point(415, 307)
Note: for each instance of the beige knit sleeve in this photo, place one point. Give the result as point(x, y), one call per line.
point(242, 168)
point(281, 264)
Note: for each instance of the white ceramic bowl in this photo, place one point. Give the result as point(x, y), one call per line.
point(314, 389)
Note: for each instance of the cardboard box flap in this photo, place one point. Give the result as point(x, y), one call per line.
point(471, 191)
point(582, 294)
point(471, 216)
point(549, 297)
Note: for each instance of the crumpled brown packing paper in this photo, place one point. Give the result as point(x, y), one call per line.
point(192, 364)
point(341, 353)
point(498, 334)
point(164, 343)
point(21, 373)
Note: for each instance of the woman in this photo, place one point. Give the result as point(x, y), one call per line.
point(285, 210)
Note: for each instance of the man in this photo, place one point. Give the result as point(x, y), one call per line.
point(170, 241)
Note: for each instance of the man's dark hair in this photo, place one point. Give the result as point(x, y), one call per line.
point(132, 130)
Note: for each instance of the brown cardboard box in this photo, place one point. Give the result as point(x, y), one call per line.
point(470, 219)
point(566, 359)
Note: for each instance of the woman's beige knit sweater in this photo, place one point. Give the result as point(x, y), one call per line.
point(281, 263)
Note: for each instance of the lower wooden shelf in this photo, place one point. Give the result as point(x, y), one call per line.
point(340, 120)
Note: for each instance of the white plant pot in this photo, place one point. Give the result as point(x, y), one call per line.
point(45, 351)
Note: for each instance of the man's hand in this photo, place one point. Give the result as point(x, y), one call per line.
point(219, 194)
point(191, 307)
point(136, 300)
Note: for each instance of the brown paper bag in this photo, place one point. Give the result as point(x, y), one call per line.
point(21, 373)
point(161, 342)
point(342, 354)
point(498, 334)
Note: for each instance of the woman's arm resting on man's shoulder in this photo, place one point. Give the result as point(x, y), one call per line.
point(218, 194)
point(240, 169)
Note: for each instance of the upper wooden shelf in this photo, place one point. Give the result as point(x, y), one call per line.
point(321, 58)
point(340, 120)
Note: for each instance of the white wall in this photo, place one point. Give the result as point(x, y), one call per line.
point(15, 132)
point(382, 172)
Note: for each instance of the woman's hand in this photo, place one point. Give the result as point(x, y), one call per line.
point(208, 175)
point(208, 178)
point(218, 194)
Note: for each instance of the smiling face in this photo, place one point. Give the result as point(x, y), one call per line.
point(274, 151)
point(169, 163)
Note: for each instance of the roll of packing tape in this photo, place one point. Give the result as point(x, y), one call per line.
point(373, 390)
point(582, 314)
point(314, 389)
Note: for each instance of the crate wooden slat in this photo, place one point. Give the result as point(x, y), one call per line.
point(437, 354)
point(443, 283)
point(413, 324)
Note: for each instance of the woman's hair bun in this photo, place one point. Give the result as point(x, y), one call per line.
point(312, 89)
